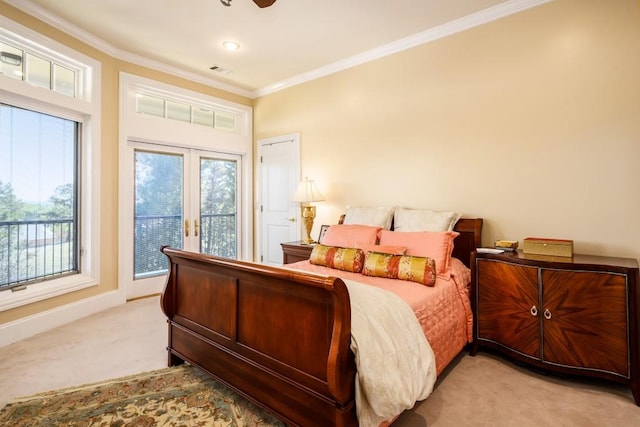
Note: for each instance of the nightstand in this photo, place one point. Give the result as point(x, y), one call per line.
point(296, 251)
point(575, 315)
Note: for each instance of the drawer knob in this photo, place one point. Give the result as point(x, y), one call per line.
point(534, 311)
point(547, 314)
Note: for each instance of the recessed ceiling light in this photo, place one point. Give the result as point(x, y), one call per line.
point(229, 45)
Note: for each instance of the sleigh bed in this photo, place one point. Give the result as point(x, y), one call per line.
point(281, 336)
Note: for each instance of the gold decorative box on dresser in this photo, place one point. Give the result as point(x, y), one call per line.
point(574, 315)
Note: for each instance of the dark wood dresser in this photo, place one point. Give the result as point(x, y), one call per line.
point(576, 315)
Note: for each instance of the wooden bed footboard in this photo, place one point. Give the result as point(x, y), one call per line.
point(279, 337)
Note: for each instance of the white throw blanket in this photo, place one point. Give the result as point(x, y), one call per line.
point(396, 365)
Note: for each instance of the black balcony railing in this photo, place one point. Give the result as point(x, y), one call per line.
point(217, 237)
point(151, 233)
point(35, 250)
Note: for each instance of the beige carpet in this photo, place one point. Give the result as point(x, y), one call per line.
point(489, 390)
point(485, 390)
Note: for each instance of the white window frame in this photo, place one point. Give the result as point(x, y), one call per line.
point(85, 109)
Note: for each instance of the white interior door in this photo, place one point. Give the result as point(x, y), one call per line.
point(279, 177)
point(183, 198)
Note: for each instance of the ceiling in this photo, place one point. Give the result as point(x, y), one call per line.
point(284, 44)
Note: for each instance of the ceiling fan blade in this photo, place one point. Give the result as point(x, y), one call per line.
point(264, 3)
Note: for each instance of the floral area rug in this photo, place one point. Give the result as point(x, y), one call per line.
point(181, 396)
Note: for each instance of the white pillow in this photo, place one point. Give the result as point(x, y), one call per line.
point(380, 217)
point(424, 220)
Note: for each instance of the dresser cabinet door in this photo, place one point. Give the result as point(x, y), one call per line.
point(585, 320)
point(508, 311)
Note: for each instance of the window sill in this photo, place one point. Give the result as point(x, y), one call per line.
point(45, 290)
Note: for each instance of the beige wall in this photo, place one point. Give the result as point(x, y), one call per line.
point(109, 156)
point(531, 122)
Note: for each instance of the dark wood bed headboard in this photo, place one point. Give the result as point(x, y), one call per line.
point(470, 237)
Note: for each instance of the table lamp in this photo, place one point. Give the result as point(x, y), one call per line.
point(307, 193)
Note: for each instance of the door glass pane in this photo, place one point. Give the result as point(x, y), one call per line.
point(218, 207)
point(158, 210)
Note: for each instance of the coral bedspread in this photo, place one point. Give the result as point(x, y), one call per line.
point(443, 311)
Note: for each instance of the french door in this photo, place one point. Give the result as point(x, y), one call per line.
point(184, 198)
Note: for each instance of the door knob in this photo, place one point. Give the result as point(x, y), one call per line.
point(291, 219)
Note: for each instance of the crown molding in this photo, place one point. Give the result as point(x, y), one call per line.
point(179, 72)
point(475, 19)
point(47, 17)
point(55, 21)
point(470, 21)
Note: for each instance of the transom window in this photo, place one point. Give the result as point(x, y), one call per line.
point(184, 111)
point(29, 65)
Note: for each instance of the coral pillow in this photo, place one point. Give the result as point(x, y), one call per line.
point(437, 245)
point(403, 267)
point(387, 249)
point(349, 235)
point(347, 259)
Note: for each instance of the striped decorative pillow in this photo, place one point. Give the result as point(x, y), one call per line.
point(403, 267)
point(347, 259)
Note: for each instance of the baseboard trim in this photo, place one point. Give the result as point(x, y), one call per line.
point(41, 322)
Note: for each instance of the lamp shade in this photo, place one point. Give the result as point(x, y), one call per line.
point(308, 192)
